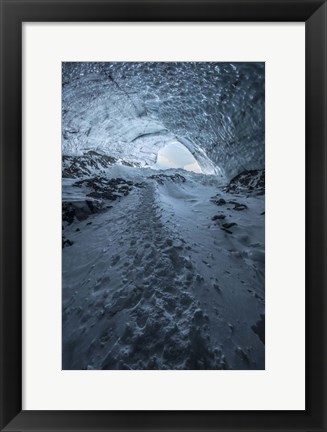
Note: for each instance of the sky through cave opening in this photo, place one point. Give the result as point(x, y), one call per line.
point(176, 155)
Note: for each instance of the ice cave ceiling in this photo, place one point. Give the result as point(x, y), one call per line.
point(132, 110)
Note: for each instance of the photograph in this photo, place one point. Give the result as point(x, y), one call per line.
point(163, 215)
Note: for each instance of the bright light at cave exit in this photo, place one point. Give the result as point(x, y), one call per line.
point(175, 155)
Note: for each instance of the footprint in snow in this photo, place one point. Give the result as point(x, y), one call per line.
point(115, 259)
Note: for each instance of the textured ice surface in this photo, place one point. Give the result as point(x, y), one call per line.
point(131, 110)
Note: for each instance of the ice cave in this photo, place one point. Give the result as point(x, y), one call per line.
point(163, 215)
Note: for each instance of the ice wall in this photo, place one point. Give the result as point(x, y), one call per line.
point(131, 110)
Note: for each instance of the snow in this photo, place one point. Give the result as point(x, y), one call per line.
point(154, 283)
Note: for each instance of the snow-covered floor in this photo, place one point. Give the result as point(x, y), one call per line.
point(165, 277)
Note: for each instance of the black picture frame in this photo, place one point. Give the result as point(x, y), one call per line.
point(13, 14)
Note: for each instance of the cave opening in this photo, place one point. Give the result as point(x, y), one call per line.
point(176, 155)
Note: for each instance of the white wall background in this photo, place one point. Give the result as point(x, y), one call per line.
point(281, 385)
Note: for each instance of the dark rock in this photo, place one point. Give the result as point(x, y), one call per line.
point(239, 207)
point(218, 217)
point(66, 242)
point(103, 188)
point(84, 165)
point(252, 182)
point(68, 213)
point(220, 202)
point(229, 225)
point(80, 210)
point(160, 178)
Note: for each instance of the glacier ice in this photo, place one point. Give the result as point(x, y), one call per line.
point(132, 110)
